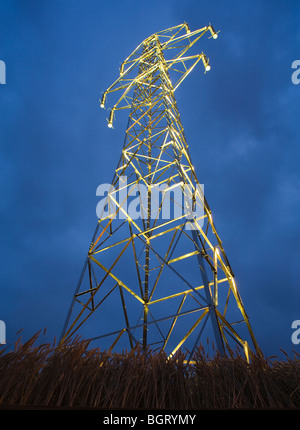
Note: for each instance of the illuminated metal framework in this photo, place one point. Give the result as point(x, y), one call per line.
point(155, 281)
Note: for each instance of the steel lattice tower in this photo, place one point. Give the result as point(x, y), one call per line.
point(157, 280)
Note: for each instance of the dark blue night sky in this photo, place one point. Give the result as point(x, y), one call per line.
point(241, 122)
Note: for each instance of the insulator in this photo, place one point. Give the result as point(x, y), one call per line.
point(111, 118)
point(213, 32)
point(187, 28)
point(205, 62)
point(103, 100)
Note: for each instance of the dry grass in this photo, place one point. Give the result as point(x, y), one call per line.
point(77, 376)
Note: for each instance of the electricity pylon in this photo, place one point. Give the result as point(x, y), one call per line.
point(157, 280)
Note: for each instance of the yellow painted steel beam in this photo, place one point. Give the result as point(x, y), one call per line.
point(189, 332)
point(108, 272)
point(185, 292)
